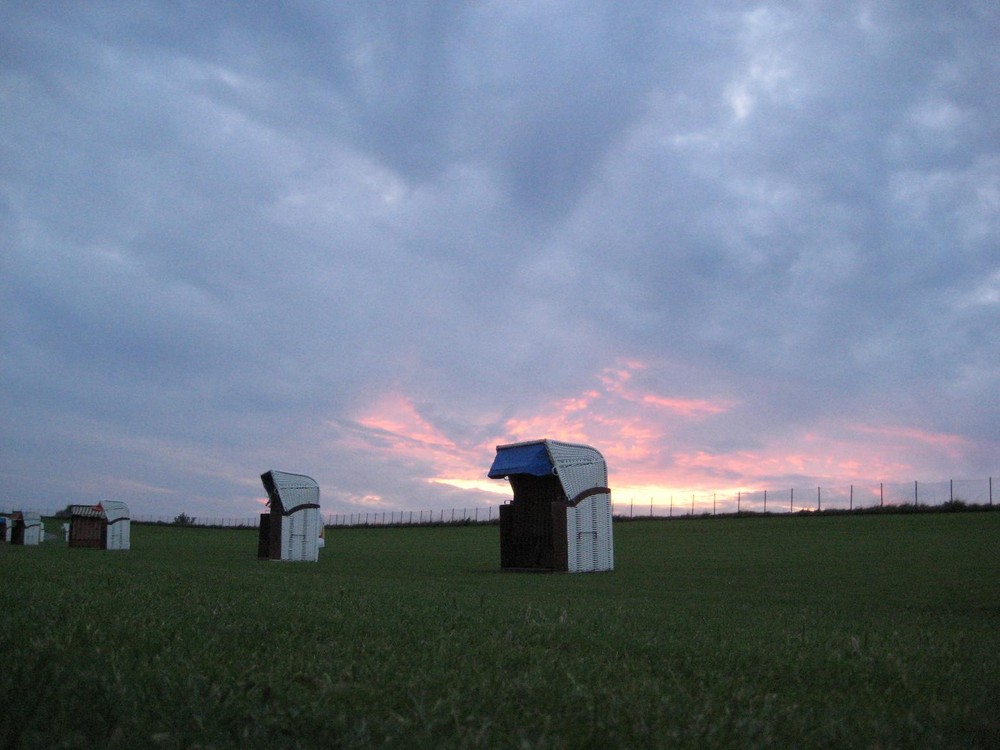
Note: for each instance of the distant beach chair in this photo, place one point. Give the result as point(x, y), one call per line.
point(107, 525)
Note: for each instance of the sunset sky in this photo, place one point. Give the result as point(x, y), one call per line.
point(733, 246)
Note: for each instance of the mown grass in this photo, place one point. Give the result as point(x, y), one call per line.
point(761, 632)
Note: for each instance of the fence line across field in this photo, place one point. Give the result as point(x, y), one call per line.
point(800, 499)
point(678, 505)
point(480, 514)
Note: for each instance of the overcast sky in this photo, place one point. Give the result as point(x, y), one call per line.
point(730, 245)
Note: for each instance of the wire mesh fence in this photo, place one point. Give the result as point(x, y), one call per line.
point(952, 493)
point(480, 514)
point(853, 497)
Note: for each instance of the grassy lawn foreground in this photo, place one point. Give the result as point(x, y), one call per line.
point(842, 631)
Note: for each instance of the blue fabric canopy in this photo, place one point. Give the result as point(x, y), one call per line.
point(530, 458)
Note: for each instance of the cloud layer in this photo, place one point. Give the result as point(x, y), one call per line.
point(730, 245)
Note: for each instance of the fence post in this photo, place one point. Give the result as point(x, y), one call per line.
point(739, 496)
point(951, 490)
point(881, 495)
point(765, 501)
point(791, 500)
point(916, 498)
point(852, 497)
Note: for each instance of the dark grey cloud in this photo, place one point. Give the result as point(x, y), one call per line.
point(228, 232)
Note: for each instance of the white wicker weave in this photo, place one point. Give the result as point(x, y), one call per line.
point(583, 475)
point(32, 527)
point(588, 524)
point(301, 522)
point(119, 524)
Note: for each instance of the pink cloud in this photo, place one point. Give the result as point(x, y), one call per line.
point(905, 435)
point(637, 431)
point(614, 416)
point(689, 407)
point(394, 426)
point(396, 417)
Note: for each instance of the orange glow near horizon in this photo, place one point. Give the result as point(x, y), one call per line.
point(634, 431)
point(483, 485)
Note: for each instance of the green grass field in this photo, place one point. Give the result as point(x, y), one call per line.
point(841, 631)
